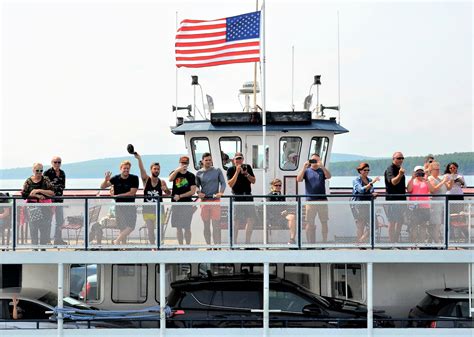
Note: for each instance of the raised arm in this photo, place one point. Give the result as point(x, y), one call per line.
point(143, 174)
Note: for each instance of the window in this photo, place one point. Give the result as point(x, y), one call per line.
point(257, 156)
point(307, 275)
point(257, 268)
point(228, 147)
point(174, 272)
point(199, 146)
point(84, 282)
point(129, 283)
point(239, 299)
point(286, 301)
point(320, 146)
point(216, 269)
point(30, 310)
point(290, 150)
point(347, 281)
point(196, 299)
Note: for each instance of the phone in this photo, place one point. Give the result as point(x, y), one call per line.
point(313, 161)
point(244, 167)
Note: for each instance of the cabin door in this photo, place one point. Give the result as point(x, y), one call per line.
point(254, 155)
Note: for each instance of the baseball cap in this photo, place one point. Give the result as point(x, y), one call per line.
point(184, 159)
point(417, 168)
point(238, 155)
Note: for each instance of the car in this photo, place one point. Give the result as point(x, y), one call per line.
point(442, 308)
point(35, 310)
point(234, 301)
point(89, 290)
point(79, 274)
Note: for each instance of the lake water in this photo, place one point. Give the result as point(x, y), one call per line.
point(7, 184)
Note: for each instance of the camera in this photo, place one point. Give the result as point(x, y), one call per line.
point(244, 167)
point(419, 174)
point(313, 161)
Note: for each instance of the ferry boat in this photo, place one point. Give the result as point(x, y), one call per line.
point(266, 286)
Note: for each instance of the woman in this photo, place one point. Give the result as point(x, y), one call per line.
point(458, 221)
point(362, 190)
point(437, 186)
point(279, 214)
point(418, 184)
point(38, 189)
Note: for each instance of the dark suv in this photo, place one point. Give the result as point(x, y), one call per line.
point(442, 308)
point(236, 301)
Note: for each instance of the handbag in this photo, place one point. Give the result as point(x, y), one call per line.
point(38, 213)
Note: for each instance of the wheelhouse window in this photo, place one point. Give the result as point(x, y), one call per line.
point(307, 275)
point(347, 281)
point(228, 147)
point(320, 146)
point(129, 283)
point(216, 268)
point(258, 155)
point(257, 268)
point(199, 146)
point(290, 151)
point(84, 282)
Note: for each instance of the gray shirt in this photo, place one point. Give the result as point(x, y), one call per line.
point(208, 181)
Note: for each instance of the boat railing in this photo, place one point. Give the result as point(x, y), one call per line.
point(101, 223)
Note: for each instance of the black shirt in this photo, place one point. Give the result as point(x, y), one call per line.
point(182, 183)
point(58, 182)
point(124, 185)
point(390, 173)
point(275, 196)
point(242, 186)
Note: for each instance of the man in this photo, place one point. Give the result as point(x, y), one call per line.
point(240, 178)
point(153, 187)
point(58, 180)
point(211, 184)
point(291, 163)
point(395, 190)
point(314, 175)
point(124, 187)
point(184, 187)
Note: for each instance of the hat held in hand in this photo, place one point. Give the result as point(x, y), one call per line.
point(131, 149)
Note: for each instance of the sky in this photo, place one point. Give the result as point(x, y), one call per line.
point(82, 79)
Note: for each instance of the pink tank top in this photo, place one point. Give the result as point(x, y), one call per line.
point(420, 187)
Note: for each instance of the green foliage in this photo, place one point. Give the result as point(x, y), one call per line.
point(378, 166)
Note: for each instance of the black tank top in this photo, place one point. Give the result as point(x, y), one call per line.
point(151, 192)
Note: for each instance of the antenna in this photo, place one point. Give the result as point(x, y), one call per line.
point(444, 278)
point(338, 73)
point(292, 78)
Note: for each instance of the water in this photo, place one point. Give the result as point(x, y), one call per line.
point(341, 181)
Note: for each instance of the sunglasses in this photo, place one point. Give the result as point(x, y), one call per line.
point(277, 185)
point(184, 162)
point(238, 158)
point(39, 171)
point(366, 170)
point(56, 162)
point(400, 158)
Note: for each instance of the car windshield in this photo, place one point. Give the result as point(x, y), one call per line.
point(431, 305)
point(49, 298)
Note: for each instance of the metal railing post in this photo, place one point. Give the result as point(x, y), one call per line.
point(370, 299)
point(372, 223)
point(447, 221)
point(162, 299)
point(158, 223)
point(231, 221)
point(60, 298)
point(300, 222)
point(86, 223)
point(13, 224)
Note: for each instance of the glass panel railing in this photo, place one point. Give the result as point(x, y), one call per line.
point(194, 225)
point(278, 219)
point(336, 224)
point(410, 223)
point(461, 223)
point(6, 225)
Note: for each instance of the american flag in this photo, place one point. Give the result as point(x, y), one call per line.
point(201, 43)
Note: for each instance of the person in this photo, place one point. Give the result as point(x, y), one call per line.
point(124, 187)
point(426, 166)
point(211, 186)
point(5, 218)
point(240, 178)
point(437, 186)
point(184, 187)
point(280, 213)
point(58, 180)
point(226, 162)
point(458, 221)
point(418, 184)
point(38, 189)
point(291, 163)
point(395, 190)
point(362, 190)
point(17, 311)
point(314, 175)
point(153, 187)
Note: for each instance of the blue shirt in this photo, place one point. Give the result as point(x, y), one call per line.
point(359, 192)
point(315, 183)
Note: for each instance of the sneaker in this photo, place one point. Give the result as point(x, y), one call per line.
point(292, 242)
point(60, 242)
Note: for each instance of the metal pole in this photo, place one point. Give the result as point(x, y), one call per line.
point(158, 223)
point(176, 78)
point(447, 222)
point(338, 73)
point(60, 297)
point(370, 300)
point(266, 291)
point(14, 224)
point(372, 223)
point(264, 124)
point(162, 299)
point(293, 78)
point(86, 224)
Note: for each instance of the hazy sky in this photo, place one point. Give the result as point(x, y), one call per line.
point(81, 79)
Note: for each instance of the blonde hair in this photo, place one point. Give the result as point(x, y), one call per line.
point(274, 181)
point(125, 162)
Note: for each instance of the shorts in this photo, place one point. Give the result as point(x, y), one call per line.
point(313, 209)
point(126, 216)
point(437, 214)
point(244, 213)
point(420, 216)
point(361, 213)
point(182, 216)
point(211, 212)
point(149, 217)
point(395, 213)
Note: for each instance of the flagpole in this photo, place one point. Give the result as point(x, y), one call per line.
point(255, 78)
point(176, 76)
point(264, 115)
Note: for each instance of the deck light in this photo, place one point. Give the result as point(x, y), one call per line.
point(194, 80)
